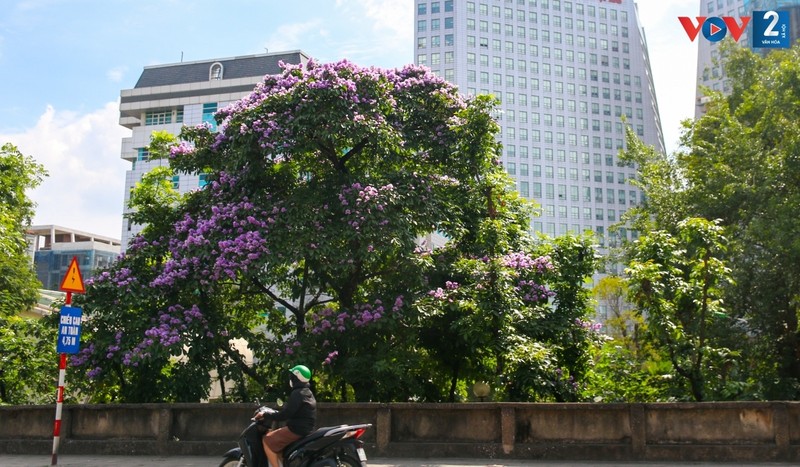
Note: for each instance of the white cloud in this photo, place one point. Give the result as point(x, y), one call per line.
point(116, 74)
point(293, 36)
point(81, 152)
point(392, 32)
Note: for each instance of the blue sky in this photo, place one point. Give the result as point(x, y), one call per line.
point(65, 62)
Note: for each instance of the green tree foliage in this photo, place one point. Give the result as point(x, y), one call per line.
point(305, 244)
point(27, 347)
point(744, 158)
point(676, 283)
point(18, 283)
point(740, 165)
point(28, 360)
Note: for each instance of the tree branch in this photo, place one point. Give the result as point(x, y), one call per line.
point(274, 296)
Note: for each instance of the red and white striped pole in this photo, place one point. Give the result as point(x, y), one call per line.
point(62, 374)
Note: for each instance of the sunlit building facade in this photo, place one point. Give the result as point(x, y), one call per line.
point(53, 247)
point(569, 75)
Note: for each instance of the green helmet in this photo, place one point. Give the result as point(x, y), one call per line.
point(302, 373)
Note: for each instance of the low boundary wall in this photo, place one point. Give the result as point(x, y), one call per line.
point(725, 431)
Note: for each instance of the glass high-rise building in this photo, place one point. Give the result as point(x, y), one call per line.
point(566, 73)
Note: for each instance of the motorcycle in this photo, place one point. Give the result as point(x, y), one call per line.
point(333, 446)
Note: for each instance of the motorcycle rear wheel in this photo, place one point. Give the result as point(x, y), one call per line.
point(232, 462)
point(347, 461)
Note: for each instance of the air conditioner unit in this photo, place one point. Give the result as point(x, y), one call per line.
point(704, 100)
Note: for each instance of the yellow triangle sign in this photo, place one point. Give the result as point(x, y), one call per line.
point(73, 282)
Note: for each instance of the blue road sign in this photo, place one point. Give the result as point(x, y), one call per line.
point(69, 330)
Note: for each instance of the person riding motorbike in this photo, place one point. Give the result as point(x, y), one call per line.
point(300, 414)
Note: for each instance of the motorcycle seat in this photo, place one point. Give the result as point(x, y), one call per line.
point(318, 433)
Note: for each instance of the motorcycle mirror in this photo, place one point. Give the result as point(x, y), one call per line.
point(279, 402)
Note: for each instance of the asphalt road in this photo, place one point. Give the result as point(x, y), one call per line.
point(67, 460)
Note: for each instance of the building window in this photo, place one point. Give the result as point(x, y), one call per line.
point(422, 8)
point(215, 72)
point(142, 154)
point(161, 117)
point(176, 182)
point(203, 181)
point(448, 5)
point(209, 110)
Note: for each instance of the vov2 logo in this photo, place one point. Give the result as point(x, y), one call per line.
point(770, 28)
point(714, 28)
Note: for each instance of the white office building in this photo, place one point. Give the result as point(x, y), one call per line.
point(166, 97)
point(566, 74)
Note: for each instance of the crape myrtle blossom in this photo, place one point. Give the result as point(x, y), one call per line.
point(182, 149)
point(233, 234)
point(369, 97)
point(169, 329)
point(331, 320)
point(331, 357)
point(366, 204)
point(96, 358)
point(121, 278)
point(588, 325)
point(520, 260)
point(529, 289)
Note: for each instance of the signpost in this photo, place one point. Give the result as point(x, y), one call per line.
point(69, 340)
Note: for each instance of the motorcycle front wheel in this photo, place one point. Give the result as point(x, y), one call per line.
point(232, 462)
point(347, 461)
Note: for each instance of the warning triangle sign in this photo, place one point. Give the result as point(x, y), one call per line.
point(73, 281)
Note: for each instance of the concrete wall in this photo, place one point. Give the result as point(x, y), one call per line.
point(746, 431)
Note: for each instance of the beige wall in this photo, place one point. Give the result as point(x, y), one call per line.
point(746, 431)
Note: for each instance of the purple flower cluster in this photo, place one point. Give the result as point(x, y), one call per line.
point(368, 97)
point(290, 347)
point(588, 325)
point(362, 204)
point(331, 357)
point(93, 356)
point(329, 319)
point(181, 149)
point(437, 293)
point(233, 234)
point(83, 357)
point(168, 330)
point(121, 278)
point(520, 260)
point(530, 291)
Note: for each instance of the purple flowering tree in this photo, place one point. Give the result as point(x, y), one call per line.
point(305, 242)
point(320, 184)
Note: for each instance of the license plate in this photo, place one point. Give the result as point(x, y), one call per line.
point(362, 456)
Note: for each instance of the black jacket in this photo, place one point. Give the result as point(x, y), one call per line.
point(300, 412)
